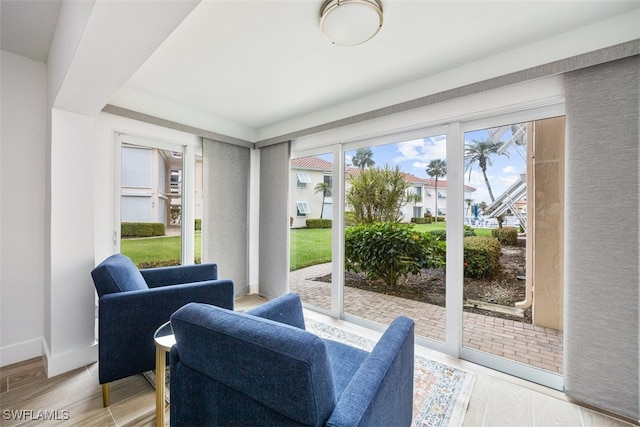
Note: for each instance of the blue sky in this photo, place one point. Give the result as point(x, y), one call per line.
point(414, 155)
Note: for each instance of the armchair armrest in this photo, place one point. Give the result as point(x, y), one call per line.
point(128, 320)
point(163, 276)
point(286, 309)
point(381, 392)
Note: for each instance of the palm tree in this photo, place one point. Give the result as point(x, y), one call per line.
point(324, 188)
point(363, 158)
point(483, 206)
point(469, 202)
point(436, 169)
point(481, 152)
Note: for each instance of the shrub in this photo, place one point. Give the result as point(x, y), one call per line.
point(439, 235)
point(141, 229)
point(419, 220)
point(165, 263)
point(506, 235)
point(388, 251)
point(318, 223)
point(481, 257)
point(198, 224)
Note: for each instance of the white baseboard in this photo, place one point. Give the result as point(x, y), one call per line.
point(20, 352)
point(61, 363)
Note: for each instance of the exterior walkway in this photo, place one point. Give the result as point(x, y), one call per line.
point(518, 341)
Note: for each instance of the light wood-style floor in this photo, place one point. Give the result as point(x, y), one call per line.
point(75, 398)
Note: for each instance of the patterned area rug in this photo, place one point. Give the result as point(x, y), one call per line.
point(441, 392)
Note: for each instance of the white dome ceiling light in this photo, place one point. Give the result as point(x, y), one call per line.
point(350, 22)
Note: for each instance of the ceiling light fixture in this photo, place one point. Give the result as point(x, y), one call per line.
point(350, 22)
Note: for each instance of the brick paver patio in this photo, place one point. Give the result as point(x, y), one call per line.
point(518, 341)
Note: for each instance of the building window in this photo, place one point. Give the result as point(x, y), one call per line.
point(303, 179)
point(417, 211)
point(429, 193)
point(441, 195)
point(328, 179)
point(303, 208)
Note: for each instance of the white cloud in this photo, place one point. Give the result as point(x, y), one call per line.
point(509, 169)
point(423, 150)
point(420, 165)
point(410, 150)
point(348, 159)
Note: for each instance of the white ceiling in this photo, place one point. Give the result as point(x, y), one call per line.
point(254, 64)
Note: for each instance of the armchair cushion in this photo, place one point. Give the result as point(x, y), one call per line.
point(292, 362)
point(230, 368)
point(117, 274)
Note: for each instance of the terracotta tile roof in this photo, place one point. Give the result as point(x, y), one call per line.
point(316, 163)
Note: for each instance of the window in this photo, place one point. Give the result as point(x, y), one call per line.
point(441, 195)
point(429, 193)
point(303, 179)
point(303, 208)
point(329, 181)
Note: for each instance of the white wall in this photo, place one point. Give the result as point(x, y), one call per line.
point(69, 292)
point(22, 195)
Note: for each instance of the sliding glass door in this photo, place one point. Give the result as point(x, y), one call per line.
point(311, 219)
point(513, 248)
point(453, 226)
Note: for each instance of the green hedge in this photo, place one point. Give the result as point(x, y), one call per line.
point(164, 263)
point(419, 220)
point(441, 235)
point(506, 235)
point(141, 229)
point(198, 224)
point(318, 223)
point(481, 257)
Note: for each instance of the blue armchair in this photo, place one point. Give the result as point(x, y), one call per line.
point(133, 303)
point(263, 368)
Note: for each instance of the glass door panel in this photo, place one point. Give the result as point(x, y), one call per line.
point(516, 172)
point(151, 205)
point(395, 234)
point(310, 221)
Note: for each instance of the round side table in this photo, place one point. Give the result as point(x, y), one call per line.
point(164, 340)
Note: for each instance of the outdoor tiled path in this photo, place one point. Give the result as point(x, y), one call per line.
point(522, 342)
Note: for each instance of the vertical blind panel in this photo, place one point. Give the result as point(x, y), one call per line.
point(274, 220)
point(601, 320)
point(226, 211)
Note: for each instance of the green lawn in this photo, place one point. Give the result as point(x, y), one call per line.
point(156, 248)
point(308, 246)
